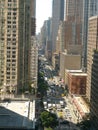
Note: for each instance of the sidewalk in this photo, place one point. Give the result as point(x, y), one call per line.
point(70, 106)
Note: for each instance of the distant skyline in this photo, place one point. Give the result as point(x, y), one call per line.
point(43, 12)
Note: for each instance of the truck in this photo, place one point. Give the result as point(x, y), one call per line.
point(45, 104)
point(62, 104)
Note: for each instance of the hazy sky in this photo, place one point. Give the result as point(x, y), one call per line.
point(43, 11)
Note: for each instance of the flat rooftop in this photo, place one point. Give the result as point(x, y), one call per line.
point(78, 74)
point(16, 114)
point(74, 71)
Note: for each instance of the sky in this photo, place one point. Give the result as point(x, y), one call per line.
point(43, 12)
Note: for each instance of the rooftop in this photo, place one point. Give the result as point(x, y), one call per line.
point(79, 74)
point(74, 71)
point(16, 114)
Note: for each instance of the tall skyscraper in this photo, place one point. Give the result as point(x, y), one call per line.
point(92, 43)
point(92, 70)
point(57, 16)
point(33, 63)
point(93, 7)
point(94, 91)
point(84, 33)
point(60, 38)
point(15, 35)
point(33, 57)
point(33, 17)
point(90, 8)
point(73, 23)
point(74, 10)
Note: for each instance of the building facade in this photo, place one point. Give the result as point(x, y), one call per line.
point(90, 8)
point(48, 46)
point(77, 83)
point(92, 43)
point(60, 38)
point(68, 61)
point(84, 33)
point(33, 17)
point(73, 23)
point(94, 91)
point(33, 63)
point(93, 8)
point(57, 16)
point(74, 10)
point(15, 38)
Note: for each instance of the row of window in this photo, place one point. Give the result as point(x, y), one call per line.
point(8, 35)
point(11, 44)
point(11, 60)
point(9, 26)
point(11, 65)
point(8, 81)
point(9, 39)
point(12, 73)
point(13, 56)
point(10, 22)
point(12, 4)
point(10, 13)
point(13, 52)
point(11, 17)
point(9, 31)
point(13, 48)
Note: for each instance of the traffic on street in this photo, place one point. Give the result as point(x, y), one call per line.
point(55, 101)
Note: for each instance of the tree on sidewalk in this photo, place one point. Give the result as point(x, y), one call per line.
point(42, 85)
point(49, 120)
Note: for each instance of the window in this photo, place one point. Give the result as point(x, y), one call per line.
point(8, 73)
point(14, 43)
point(8, 78)
point(9, 13)
point(8, 48)
point(14, 26)
point(14, 22)
point(14, 60)
point(8, 39)
point(14, 39)
point(13, 77)
point(14, 13)
point(9, 26)
point(9, 22)
point(8, 68)
point(14, 9)
point(14, 35)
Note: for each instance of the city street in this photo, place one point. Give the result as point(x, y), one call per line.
point(56, 102)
